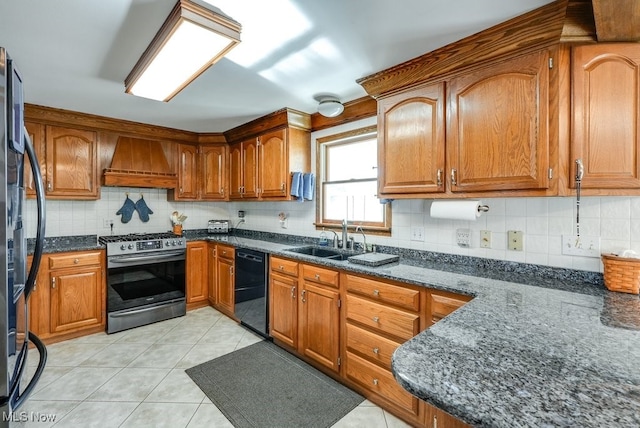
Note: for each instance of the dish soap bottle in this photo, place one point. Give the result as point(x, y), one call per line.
point(323, 241)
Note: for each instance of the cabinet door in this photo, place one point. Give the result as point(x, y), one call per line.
point(497, 135)
point(319, 325)
point(436, 418)
point(250, 169)
point(197, 275)
point(213, 274)
point(212, 174)
point(283, 309)
point(76, 299)
point(36, 133)
point(411, 156)
point(235, 171)
point(273, 165)
point(187, 172)
point(71, 159)
point(226, 294)
point(606, 115)
point(39, 306)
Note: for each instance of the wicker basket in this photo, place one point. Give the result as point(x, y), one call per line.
point(621, 274)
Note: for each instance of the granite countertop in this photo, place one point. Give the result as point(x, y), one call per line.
point(530, 350)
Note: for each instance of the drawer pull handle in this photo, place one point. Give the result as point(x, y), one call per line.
point(293, 292)
point(53, 282)
point(376, 292)
point(376, 351)
point(376, 319)
point(318, 276)
point(304, 295)
point(375, 382)
point(281, 267)
point(76, 261)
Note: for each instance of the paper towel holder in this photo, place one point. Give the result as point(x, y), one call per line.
point(483, 208)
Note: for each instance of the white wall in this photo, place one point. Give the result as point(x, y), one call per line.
point(543, 220)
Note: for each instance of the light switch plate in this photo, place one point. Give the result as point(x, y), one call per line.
point(485, 239)
point(584, 246)
point(463, 238)
point(515, 238)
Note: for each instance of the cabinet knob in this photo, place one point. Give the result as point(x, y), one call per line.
point(222, 191)
point(281, 267)
point(376, 293)
point(375, 382)
point(376, 319)
point(317, 276)
point(76, 261)
point(376, 351)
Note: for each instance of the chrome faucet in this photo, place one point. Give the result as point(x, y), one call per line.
point(344, 234)
point(364, 237)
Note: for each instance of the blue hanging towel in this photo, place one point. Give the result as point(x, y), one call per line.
point(309, 186)
point(297, 186)
point(127, 210)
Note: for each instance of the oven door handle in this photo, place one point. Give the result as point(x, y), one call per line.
point(155, 257)
point(147, 309)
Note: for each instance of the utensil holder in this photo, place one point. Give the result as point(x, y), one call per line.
point(177, 229)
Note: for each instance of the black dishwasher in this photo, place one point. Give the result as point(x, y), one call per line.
point(251, 302)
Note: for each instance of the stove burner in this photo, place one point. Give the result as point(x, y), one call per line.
point(135, 237)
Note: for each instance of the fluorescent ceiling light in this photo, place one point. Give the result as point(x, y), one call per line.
point(192, 39)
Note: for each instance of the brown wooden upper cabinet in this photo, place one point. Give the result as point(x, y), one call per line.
point(68, 160)
point(496, 120)
point(497, 126)
point(264, 152)
point(202, 173)
point(606, 115)
point(411, 151)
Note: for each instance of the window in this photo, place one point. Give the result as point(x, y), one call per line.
point(348, 181)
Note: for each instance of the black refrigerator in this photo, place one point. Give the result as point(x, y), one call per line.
point(16, 284)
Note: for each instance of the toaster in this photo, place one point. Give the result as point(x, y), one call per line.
point(218, 226)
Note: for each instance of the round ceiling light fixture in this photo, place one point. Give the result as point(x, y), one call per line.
point(330, 107)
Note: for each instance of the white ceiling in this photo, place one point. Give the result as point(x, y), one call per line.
point(75, 54)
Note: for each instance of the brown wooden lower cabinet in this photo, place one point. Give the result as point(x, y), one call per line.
point(436, 418)
point(69, 298)
point(225, 280)
point(197, 277)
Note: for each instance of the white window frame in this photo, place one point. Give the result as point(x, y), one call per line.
point(354, 136)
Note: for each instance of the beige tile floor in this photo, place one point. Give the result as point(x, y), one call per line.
point(136, 378)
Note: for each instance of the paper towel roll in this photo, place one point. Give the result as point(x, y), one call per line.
point(456, 210)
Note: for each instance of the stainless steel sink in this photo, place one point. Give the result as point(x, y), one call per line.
point(324, 253)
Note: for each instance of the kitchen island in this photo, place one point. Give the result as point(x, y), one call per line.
point(529, 350)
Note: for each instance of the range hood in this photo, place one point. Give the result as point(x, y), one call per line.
point(139, 163)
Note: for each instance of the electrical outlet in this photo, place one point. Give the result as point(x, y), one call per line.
point(585, 246)
point(417, 233)
point(463, 237)
point(515, 238)
point(107, 223)
point(485, 239)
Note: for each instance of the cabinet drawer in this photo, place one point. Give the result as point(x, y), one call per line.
point(442, 304)
point(320, 275)
point(380, 381)
point(384, 292)
point(75, 260)
point(284, 266)
point(382, 318)
point(370, 345)
point(226, 252)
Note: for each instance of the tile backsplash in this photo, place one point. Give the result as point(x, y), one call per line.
point(543, 221)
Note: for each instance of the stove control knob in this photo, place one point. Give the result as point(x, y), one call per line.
point(123, 247)
point(179, 242)
point(130, 246)
point(173, 243)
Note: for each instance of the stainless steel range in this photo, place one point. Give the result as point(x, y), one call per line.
point(145, 279)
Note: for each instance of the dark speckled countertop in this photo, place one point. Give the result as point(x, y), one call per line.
point(536, 347)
